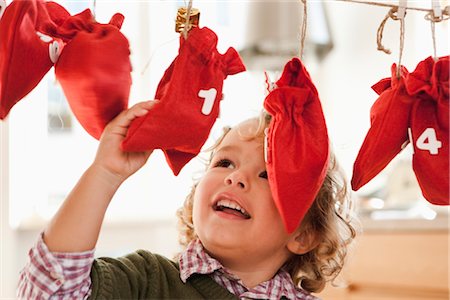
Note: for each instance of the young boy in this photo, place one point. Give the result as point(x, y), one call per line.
point(235, 242)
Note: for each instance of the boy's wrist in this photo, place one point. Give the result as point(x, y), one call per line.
point(106, 176)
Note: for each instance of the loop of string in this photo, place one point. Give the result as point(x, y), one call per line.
point(436, 19)
point(392, 14)
point(303, 28)
point(187, 24)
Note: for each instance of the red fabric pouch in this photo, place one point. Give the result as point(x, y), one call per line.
point(429, 84)
point(94, 69)
point(297, 151)
point(189, 94)
point(24, 48)
point(388, 133)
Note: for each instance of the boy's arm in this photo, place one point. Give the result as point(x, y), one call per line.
point(76, 225)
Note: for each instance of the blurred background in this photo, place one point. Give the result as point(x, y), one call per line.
point(403, 250)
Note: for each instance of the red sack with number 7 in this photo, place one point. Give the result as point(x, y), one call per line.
point(388, 134)
point(429, 123)
point(189, 94)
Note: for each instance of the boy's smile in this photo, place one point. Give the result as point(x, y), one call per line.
point(228, 206)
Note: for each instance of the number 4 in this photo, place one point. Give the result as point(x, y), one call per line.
point(427, 141)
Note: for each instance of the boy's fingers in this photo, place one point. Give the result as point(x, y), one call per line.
point(138, 110)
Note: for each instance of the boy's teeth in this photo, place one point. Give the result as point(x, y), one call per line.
point(230, 204)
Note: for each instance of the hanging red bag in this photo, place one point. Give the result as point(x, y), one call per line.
point(388, 132)
point(94, 69)
point(189, 94)
point(429, 84)
point(26, 52)
point(297, 150)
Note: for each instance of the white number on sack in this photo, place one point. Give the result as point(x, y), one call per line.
point(2, 7)
point(54, 50)
point(428, 141)
point(209, 96)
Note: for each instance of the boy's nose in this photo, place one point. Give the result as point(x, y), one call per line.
point(237, 178)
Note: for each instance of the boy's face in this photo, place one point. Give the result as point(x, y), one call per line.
point(234, 214)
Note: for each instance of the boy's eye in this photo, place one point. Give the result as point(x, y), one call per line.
point(263, 174)
point(224, 163)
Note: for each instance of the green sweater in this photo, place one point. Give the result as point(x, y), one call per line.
point(143, 275)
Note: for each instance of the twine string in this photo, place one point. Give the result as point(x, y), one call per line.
point(392, 14)
point(94, 9)
point(402, 43)
point(303, 28)
point(433, 36)
point(430, 16)
point(187, 24)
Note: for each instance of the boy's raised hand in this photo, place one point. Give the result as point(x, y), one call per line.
point(91, 196)
point(117, 164)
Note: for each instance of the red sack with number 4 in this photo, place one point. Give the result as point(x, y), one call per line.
point(189, 94)
point(429, 84)
point(388, 133)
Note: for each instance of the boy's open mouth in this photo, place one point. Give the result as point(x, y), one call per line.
point(231, 207)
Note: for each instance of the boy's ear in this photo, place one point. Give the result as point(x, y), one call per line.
point(303, 241)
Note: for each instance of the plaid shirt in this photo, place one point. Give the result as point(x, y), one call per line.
point(196, 260)
point(55, 275)
point(66, 275)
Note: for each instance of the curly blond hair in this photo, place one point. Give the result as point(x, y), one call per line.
point(330, 218)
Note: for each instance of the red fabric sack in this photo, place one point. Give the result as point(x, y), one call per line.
point(429, 84)
point(388, 133)
point(297, 151)
point(24, 48)
point(189, 94)
point(94, 69)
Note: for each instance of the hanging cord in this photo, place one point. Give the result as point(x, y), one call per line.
point(433, 36)
point(187, 24)
point(393, 15)
point(402, 43)
point(94, 9)
point(433, 20)
point(303, 28)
